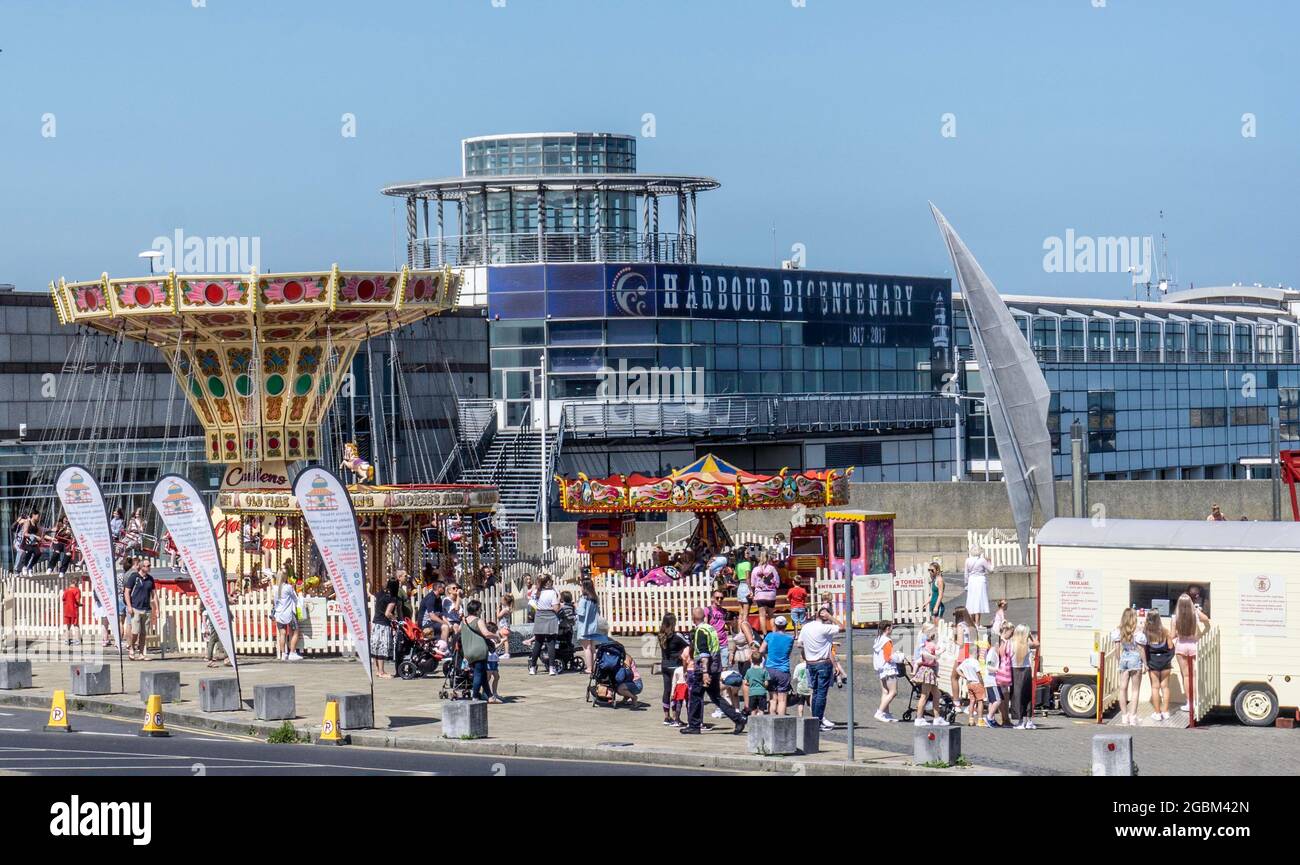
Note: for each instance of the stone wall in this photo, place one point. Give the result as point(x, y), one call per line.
point(979, 505)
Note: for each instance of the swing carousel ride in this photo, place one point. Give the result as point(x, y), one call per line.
point(707, 487)
point(260, 359)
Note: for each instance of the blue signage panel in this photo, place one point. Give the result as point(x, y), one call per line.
point(837, 309)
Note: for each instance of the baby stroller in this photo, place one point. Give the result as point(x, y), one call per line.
point(947, 708)
point(607, 661)
point(417, 652)
point(456, 678)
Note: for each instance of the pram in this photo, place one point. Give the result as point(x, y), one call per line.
point(457, 680)
point(607, 661)
point(417, 652)
point(947, 708)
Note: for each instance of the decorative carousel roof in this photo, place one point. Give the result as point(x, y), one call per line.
point(708, 484)
point(258, 355)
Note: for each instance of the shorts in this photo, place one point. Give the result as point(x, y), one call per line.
point(799, 615)
point(679, 693)
point(778, 681)
point(70, 621)
point(742, 591)
point(139, 621)
point(633, 686)
point(1130, 661)
point(799, 699)
point(976, 691)
point(493, 664)
point(766, 603)
point(758, 703)
point(1185, 650)
point(291, 625)
point(887, 672)
point(993, 693)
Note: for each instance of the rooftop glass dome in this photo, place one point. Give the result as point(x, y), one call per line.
point(550, 197)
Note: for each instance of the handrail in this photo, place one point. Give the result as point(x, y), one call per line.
point(739, 414)
point(523, 247)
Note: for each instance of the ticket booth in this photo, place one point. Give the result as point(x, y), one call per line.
point(607, 540)
point(871, 542)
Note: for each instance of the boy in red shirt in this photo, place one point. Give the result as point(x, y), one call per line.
point(798, 598)
point(72, 610)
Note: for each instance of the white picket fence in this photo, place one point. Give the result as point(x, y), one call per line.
point(1002, 548)
point(643, 553)
point(33, 609)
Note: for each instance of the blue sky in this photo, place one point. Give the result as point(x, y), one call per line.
point(824, 120)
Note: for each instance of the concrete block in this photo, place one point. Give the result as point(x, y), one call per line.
point(773, 734)
point(936, 743)
point(274, 702)
point(219, 695)
point(464, 719)
point(1113, 755)
point(164, 683)
point(15, 675)
point(92, 680)
point(808, 739)
point(356, 710)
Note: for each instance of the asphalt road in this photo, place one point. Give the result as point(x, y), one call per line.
point(102, 746)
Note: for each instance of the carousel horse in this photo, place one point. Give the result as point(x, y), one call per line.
point(362, 471)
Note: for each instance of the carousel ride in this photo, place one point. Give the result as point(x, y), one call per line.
point(708, 488)
point(260, 358)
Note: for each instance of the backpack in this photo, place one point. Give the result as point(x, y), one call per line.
point(711, 633)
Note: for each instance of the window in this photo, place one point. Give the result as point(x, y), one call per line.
point(1288, 412)
point(1054, 422)
point(1201, 418)
point(1250, 415)
point(1101, 421)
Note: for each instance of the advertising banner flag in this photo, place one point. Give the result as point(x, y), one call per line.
point(88, 517)
point(329, 514)
point(187, 521)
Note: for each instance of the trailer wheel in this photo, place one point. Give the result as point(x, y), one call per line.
point(1256, 705)
point(1078, 699)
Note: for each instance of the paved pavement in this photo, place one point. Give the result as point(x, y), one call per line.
point(109, 746)
point(543, 716)
point(1062, 745)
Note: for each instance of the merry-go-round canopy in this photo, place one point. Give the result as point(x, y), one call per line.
point(708, 484)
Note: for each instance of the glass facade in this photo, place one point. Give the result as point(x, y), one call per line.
point(559, 153)
point(733, 357)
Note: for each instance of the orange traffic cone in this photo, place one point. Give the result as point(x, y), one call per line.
point(153, 718)
point(329, 728)
point(59, 722)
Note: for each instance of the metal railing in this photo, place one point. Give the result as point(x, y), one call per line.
point(477, 425)
point(741, 414)
point(530, 247)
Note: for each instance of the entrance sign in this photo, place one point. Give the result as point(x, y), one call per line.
point(1078, 598)
point(329, 514)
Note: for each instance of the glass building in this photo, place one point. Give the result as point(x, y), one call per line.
point(611, 339)
point(1187, 387)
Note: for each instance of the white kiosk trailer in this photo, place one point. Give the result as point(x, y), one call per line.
point(1249, 577)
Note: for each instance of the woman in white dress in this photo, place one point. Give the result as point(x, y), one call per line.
point(977, 583)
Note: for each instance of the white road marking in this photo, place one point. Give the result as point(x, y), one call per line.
point(14, 730)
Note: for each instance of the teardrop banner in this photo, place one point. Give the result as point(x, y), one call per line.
point(83, 503)
point(187, 521)
point(327, 508)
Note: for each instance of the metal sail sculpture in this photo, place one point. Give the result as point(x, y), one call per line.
point(1017, 394)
